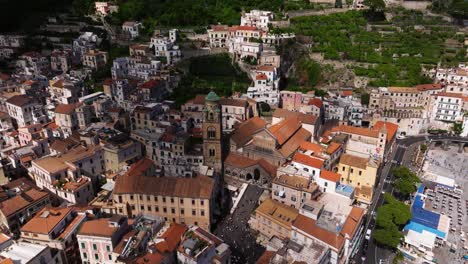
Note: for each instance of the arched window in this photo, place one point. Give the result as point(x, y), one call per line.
point(211, 133)
point(212, 152)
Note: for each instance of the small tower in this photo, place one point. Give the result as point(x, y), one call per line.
point(212, 131)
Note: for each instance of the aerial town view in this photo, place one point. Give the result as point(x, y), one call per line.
point(234, 131)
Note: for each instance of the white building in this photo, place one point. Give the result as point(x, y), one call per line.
point(29, 253)
point(132, 28)
point(448, 107)
point(332, 222)
point(105, 8)
point(218, 36)
point(263, 91)
point(457, 75)
point(134, 68)
point(165, 47)
point(25, 111)
point(257, 18)
point(85, 42)
point(65, 174)
point(234, 111)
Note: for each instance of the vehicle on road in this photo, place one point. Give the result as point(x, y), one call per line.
point(401, 136)
point(368, 234)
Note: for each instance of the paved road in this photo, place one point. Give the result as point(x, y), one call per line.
point(400, 156)
point(234, 229)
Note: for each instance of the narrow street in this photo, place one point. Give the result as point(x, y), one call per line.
point(400, 156)
point(235, 231)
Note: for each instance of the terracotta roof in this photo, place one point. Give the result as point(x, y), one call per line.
point(308, 160)
point(295, 182)
point(19, 100)
point(309, 226)
point(354, 161)
point(303, 118)
point(390, 127)
point(347, 93)
point(75, 185)
point(306, 145)
point(317, 102)
point(7, 261)
point(330, 176)
point(283, 130)
point(402, 90)
point(140, 167)
point(278, 212)
point(288, 148)
point(4, 238)
point(356, 130)
point(66, 109)
point(352, 222)
point(99, 227)
point(427, 87)
point(20, 201)
point(171, 238)
point(261, 77)
point(233, 102)
point(63, 145)
point(455, 95)
point(220, 27)
point(332, 148)
point(235, 28)
point(244, 132)
point(57, 83)
point(266, 68)
point(198, 100)
point(149, 84)
point(239, 161)
point(46, 220)
point(58, 163)
point(198, 187)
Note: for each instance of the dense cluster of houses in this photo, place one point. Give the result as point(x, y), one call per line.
point(124, 176)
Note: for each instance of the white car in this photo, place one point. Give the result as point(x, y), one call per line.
point(368, 234)
point(400, 136)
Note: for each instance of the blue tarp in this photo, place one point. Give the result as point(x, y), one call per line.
point(419, 228)
point(421, 188)
point(423, 216)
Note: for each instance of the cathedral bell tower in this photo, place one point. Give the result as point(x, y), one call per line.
point(212, 132)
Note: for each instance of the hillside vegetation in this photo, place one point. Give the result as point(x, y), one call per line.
point(391, 53)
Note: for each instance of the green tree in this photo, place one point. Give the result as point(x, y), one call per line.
point(375, 5)
point(365, 98)
point(388, 236)
point(391, 217)
point(457, 128)
point(423, 148)
point(406, 181)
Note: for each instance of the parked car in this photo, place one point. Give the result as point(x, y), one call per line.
point(368, 234)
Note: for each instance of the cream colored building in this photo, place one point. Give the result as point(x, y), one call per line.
point(70, 175)
point(293, 190)
point(182, 200)
point(273, 218)
point(117, 155)
point(360, 173)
